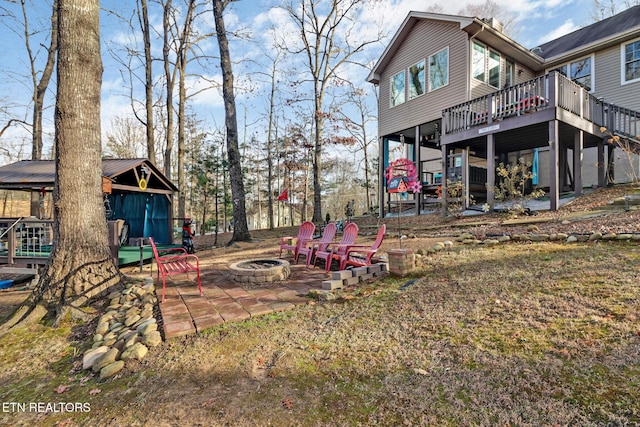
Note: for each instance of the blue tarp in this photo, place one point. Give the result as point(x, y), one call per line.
point(534, 167)
point(146, 214)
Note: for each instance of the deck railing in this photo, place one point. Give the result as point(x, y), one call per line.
point(25, 239)
point(532, 95)
point(549, 90)
point(621, 121)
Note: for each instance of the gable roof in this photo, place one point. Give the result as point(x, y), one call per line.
point(28, 174)
point(599, 34)
point(478, 28)
point(608, 32)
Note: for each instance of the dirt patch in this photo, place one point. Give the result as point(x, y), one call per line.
point(10, 299)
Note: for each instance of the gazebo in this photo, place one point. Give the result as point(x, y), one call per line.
point(136, 194)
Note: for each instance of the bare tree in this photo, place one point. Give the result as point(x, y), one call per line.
point(126, 139)
point(39, 79)
point(148, 79)
point(240, 227)
point(330, 40)
point(603, 9)
point(181, 65)
point(81, 265)
point(170, 77)
point(491, 9)
point(188, 38)
point(270, 147)
point(40, 85)
point(358, 128)
point(133, 58)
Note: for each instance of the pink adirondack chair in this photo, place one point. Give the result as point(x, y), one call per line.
point(334, 250)
point(310, 247)
point(291, 243)
point(360, 255)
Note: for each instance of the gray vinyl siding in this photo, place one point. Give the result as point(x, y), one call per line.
point(426, 38)
point(608, 80)
point(526, 74)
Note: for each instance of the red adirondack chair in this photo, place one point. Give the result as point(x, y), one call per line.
point(335, 250)
point(360, 255)
point(291, 243)
point(310, 247)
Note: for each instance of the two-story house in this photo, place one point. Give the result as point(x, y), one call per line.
point(457, 97)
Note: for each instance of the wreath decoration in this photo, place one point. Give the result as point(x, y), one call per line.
point(407, 169)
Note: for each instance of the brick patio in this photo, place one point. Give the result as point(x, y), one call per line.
point(185, 312)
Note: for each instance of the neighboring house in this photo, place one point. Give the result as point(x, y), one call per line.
point(458, 97)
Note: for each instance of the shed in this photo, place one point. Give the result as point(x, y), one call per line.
point(135, 192)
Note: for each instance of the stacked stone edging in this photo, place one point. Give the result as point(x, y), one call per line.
point(531, 235)
point(125, 332)
point(353, 276)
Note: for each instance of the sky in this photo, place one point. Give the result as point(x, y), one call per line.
point(536, 21)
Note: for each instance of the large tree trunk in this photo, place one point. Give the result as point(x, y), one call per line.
point(240, 227)
point(81, 265)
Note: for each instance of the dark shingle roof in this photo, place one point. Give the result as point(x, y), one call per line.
point(601, 30)
point(41, 173)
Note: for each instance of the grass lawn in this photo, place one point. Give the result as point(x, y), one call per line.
point(519, 334)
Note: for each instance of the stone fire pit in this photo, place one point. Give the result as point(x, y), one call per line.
point(260, 271)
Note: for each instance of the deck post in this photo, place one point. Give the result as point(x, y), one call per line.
point(416, 158)
point(601, 165)
point(443, 184)
point(465, 176)
point(554, 172)
point(382, 191)
point(491, 171)
point(578, 158)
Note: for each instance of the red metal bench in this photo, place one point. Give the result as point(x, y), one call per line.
point(170, 265)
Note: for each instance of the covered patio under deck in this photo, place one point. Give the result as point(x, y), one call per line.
point(551, 116)
point(548, 121)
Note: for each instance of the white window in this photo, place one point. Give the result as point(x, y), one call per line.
point(631, 62)
point(478, 62)
point(416, 80)
point(439, 69)
point(494, 69)
point(580, 71)
point(397, 89)
point(485, 65)
point(509, 73)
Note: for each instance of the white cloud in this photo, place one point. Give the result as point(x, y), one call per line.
point(566, 28)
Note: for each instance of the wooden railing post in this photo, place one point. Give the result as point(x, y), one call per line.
point(552, 96)
point(11, 245)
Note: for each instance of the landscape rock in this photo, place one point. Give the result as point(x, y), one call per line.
point(137, 351)
point(102, 328)
point(111, 369)
point(91, 356)
point(152, 339)
point(107, 358)
point(438, 246)
point(595, 236)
